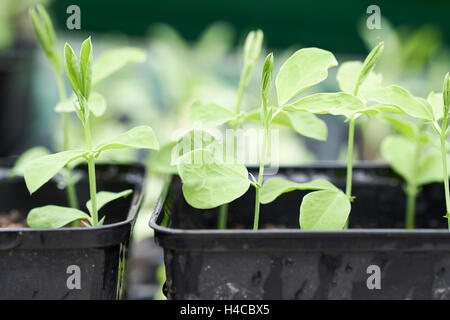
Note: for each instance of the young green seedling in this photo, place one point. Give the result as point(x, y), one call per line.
point(352, 78)
point(46, 35)
point(412, 156)
point(209, 183)
point(213, 115)
point(39, 171)
point(434, 110)
point(108, 63)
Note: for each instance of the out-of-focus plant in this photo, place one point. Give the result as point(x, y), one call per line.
point(11, 12)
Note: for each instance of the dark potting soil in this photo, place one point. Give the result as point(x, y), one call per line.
point(12, 219)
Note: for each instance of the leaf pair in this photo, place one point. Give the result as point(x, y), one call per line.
point(79, 75)
point(56, 216)
point(325, 209)
point(41, 170)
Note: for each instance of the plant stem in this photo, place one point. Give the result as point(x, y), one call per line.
point(411, 188)
point(70, 186)
point(260, 176)
point(223, 212)
point(348, 184)
point(243, 82)
point(444, 167)
point(91, 170)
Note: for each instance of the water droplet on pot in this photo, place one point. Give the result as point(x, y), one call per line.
point(288, 262)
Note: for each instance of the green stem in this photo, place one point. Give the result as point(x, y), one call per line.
point(260, 176)
point(91, 171)
point(70, 186)
point(243, 82)
point(223, 213)
point(348, 184)
point(410, 206)
point(444, 167)
point(411, 188)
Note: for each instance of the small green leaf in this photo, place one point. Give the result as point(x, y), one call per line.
point(399, 152)
point(45, 32)
point(113, 60)
point(430, 168)
point(25, 158)
point(446, 93)
point(104, 197)
point(208, 183)
point(86, 67)
point(275, 187)
point(436, 101)
point(303, 69)
point(65, 106)
point(402, 99)
point(73, 71)
point(303, 123)
point(97, 104)
point(339, 103)
point(403, 127)
point(252, 46)
point(368, 65)
point(324, 210)
point(42, 169)
point(53, 217)
point(210, 114)
point(266, 77)
point(347, 77)
point(141, 137)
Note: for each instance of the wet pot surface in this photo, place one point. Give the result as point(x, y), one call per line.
point(69, 263)
point(375, 259)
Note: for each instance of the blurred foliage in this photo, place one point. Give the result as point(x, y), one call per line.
point(14, 19)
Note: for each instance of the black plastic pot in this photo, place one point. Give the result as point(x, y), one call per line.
point(36, 263)
point(288, 263)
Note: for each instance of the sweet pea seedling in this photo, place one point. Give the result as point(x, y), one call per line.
point(210, 183)
point(412, 156)
point(39, 171)
point(108, 63)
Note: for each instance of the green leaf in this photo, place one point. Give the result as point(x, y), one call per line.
point(252, 46)
point(347, 77)
point(97, 104)
point(324, 210)
point(113, 60)
point(401, 99)
point(44, 30)
point(141, 137)
point(303, 69)
point(403, 127)
point(53, 217)
point(73, 71)
point(436, 101)
point(104, 197)
point(275, 187)
point(86, 67)
point(25, 158)
point(210, 114)
point(208, 183)
point(368, 65)
point(41, 170)
point(430, 168)
point(266, 77)
point(399, 152)
point(339, 103)
point(303, 123)
point(446, 94)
